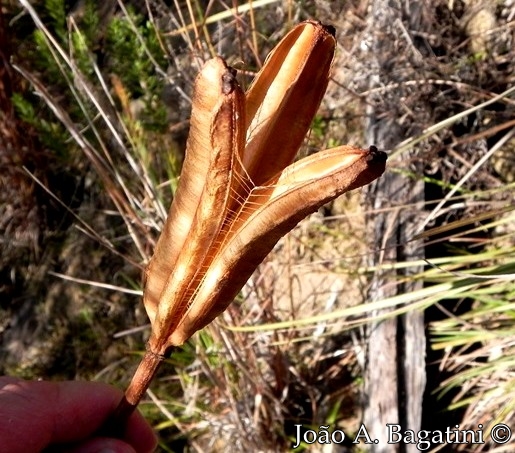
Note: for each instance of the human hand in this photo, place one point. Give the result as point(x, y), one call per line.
point(64, 416)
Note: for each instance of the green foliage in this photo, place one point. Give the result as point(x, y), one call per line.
point(318, 127)
point(320, 133)
point(81, 55)
point(131, 49)
point(90, 23)
point(43, 60)
point(131, 45)
point(24, 108)
point(57, 14)
point(52, 134)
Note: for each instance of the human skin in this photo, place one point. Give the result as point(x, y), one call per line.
point(64, 416)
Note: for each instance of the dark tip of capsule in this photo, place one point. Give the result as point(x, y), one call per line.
point(330, 29)
point(376, 155)
point(229, 81)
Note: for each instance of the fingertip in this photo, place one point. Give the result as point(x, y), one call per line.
point(140, 434)
point(104, 445)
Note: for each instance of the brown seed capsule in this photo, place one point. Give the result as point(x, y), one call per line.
point(270, 212)
point(284, 97)
point(214, 148)
point(239, 191)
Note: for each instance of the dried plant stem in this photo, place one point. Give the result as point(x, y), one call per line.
point(116, 424)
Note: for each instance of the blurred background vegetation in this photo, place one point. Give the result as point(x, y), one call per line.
point(95, 102)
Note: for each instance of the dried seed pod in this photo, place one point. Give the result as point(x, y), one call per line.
point(207, 101)
point(213, 154)
point(191, 184)
point(284, 97)
point(270, 212)
point(236, 199)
